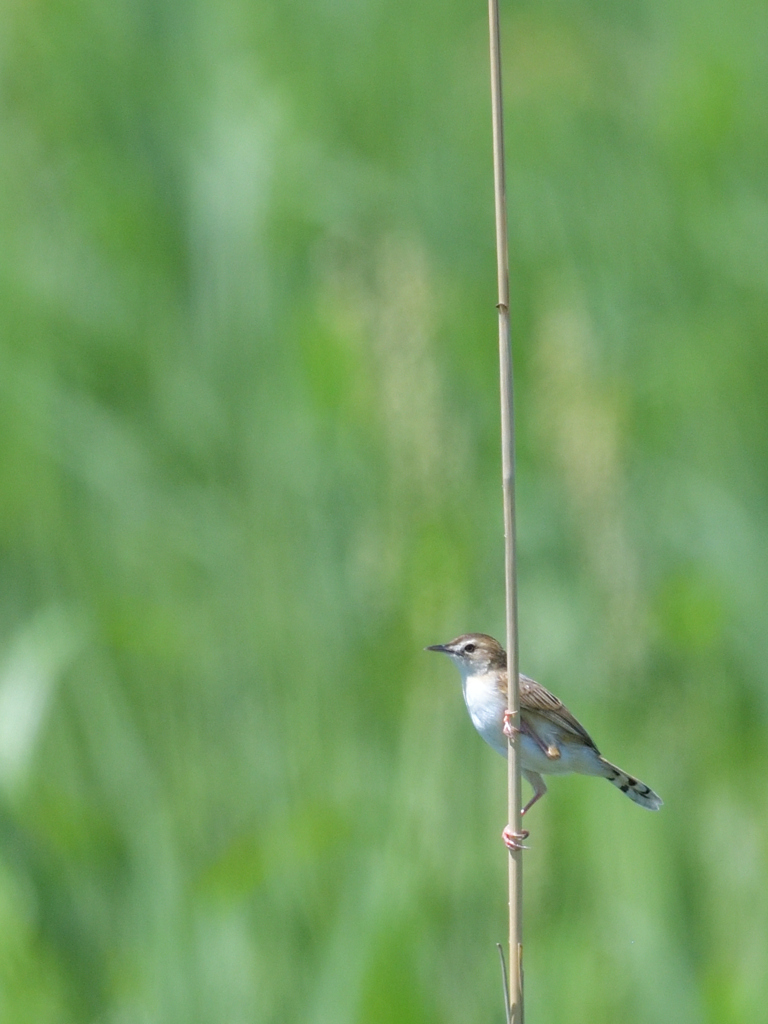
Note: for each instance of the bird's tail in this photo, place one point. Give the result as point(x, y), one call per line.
point(634, 788)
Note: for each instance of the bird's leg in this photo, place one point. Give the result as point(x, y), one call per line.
point(539, 789)
point(513, 840)
point(550, 751)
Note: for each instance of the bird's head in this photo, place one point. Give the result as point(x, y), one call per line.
point(474, 653)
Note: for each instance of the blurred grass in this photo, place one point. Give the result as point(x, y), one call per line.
point(249, 468)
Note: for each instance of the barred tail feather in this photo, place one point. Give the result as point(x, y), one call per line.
point(634, 788)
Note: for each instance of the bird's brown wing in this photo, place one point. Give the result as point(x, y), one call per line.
point(534, 697)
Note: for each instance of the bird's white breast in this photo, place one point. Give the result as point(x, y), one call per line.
point(486, 705)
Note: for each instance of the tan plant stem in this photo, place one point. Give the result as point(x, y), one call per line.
point(515, 980)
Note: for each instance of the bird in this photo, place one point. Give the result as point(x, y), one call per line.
point(552, 740)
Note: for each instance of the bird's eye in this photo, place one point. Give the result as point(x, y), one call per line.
point(470, 648)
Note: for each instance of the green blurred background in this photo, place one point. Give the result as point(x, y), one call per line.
point(249, 468)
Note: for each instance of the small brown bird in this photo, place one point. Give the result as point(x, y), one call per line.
point(552, 741)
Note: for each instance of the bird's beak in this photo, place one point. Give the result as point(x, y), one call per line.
point(437, 647)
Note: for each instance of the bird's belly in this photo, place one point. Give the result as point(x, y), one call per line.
point(490, 726)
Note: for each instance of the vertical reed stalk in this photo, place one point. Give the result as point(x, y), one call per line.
point(515, 1009)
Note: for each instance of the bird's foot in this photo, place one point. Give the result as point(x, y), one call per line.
point(509, 729)
point(514, 840)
